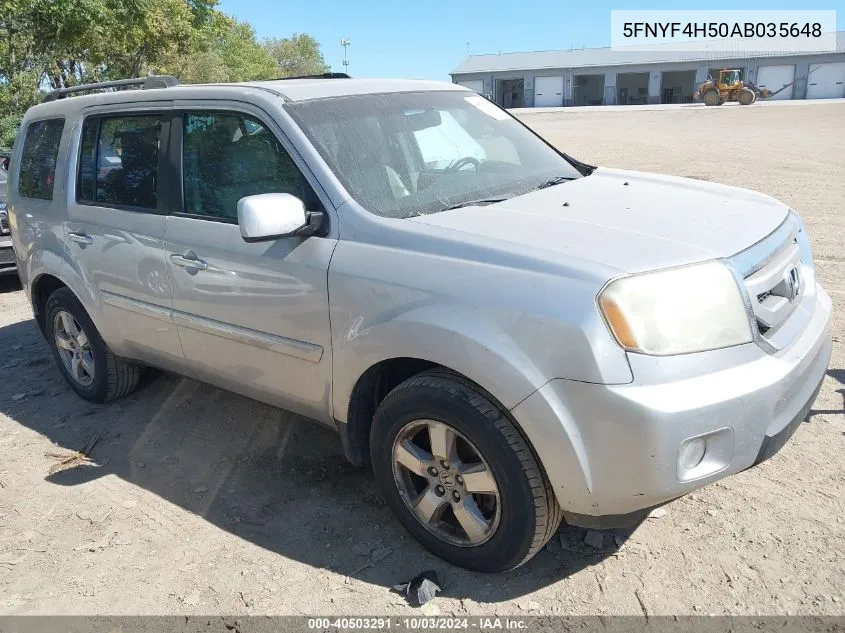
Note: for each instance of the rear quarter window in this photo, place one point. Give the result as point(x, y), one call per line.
point(38, 158)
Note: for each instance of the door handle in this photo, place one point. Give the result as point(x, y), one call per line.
point(189, 261)
point(80, 238)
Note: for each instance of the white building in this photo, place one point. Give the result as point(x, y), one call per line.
point(665, 74)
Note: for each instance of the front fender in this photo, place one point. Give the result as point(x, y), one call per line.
point(503, 325)
point(455, 337)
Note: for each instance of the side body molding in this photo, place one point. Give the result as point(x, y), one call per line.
point(299, 349)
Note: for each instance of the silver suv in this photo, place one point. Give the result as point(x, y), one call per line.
point(509, 336)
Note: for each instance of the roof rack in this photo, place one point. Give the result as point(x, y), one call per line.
point(146, 83)
point(320, 76)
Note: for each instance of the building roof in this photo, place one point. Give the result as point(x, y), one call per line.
point(655, 54)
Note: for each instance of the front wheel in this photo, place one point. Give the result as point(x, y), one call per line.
point(746, 97)
point(459, 475)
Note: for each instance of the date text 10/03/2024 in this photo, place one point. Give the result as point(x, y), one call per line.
point(418, 623)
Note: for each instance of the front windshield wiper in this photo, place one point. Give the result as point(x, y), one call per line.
point(551, 182)
point(473, 203)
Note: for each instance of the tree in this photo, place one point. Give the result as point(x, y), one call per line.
point(18, 74)
point(88, 40)
point(299, 54)
point(67, 42)
point(223, 50)
point(59, 43)
point(8, 130)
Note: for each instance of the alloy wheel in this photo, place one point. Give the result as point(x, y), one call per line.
point(446, 483)
point(74, 348)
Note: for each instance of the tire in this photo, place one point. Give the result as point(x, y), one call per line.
point(712, 98)
point(110, 376)
point(526, 512)
point(745, 97)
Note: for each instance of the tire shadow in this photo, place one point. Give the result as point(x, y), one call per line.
point(10, 282)
point(267, 476)
point(839, 376)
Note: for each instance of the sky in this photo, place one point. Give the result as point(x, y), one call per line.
point(427, 39)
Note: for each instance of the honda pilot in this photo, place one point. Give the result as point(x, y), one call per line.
point(510, 337)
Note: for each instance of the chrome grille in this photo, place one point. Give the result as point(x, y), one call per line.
point(778, 274)
point(776, 288)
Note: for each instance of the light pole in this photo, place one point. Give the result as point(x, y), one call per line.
point(345, 43)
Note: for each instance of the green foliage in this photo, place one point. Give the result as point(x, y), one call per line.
point(224, 50)
point(48, 44)
point(297, 55)
point(18, 92)
point(8, 130)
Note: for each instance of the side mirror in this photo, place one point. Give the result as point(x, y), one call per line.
point(270, 216)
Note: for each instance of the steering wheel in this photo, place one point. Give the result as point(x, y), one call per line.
point(461, 162)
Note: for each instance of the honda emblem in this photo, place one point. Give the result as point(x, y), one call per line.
point(793, 284)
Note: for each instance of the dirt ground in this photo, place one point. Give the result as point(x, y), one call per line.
point(203, 502)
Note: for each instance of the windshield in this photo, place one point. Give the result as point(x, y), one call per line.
point(406, 154)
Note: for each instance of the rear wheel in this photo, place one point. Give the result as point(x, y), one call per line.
point(86, 362)
point(459, 475)
point(712, 98)
point(745, 97)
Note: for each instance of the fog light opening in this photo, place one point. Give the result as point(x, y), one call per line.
point(692, 452)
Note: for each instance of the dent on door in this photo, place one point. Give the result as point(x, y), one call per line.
point(119, 255)
point(253, 317)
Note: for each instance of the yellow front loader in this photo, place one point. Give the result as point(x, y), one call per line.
point(729, 87)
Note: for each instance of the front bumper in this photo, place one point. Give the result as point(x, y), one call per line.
point(613, 451)
point(8, 263)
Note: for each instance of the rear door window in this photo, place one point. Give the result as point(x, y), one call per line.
point(119, 161)
point(38, 159)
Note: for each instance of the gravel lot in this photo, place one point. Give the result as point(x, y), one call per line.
point(204, 502)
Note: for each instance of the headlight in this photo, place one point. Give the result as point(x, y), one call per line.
point(677, 311)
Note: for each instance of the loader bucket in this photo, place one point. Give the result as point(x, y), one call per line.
point(765, 93)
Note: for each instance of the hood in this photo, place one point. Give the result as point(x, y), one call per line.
point(626, 220)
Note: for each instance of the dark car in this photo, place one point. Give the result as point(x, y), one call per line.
point(7, 255)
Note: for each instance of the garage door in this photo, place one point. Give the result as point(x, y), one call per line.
point(826, 81)
point(477, 85)
point(548, 92)
point(776, 77)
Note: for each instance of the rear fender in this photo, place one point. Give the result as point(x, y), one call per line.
point(55, 262)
